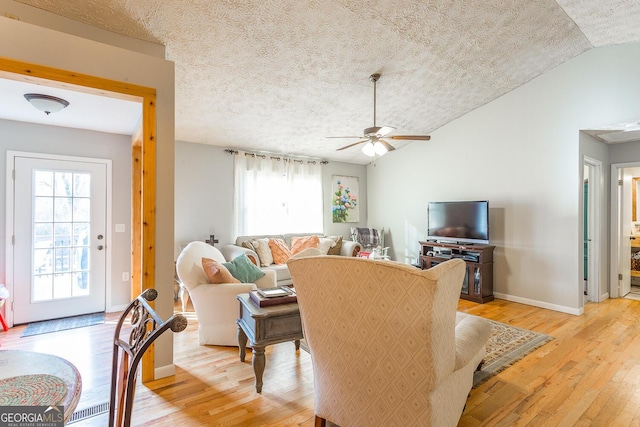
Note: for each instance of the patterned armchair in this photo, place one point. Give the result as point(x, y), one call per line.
point(387, 345)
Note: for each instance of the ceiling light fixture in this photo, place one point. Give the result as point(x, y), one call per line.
point(46, 103)
point(373, 148)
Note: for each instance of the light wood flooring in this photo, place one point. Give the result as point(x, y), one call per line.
point(588, 375)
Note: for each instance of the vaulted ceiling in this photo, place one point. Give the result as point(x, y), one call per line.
point(281, 75)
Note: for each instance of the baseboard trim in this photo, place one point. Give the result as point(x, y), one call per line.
point(164, 371)
point(541, 304)
point(115, 308)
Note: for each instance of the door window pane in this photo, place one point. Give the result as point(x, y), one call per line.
point(80, 284)
point(43, 183)
point(82, 209)
point(43, 209)
point(62, 237)
point(43, 235)
point(42, 261)
point(81, 185)
point(62, 209)
point(63, 184)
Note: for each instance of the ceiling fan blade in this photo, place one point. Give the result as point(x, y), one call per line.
point(351, 145)
point(411, 137)
point(388, 146)
point(384, 130)
point(360, 136)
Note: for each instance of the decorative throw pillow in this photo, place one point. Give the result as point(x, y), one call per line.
point(325, 244)
point(279, 250)
point(335, 250)
point(300, 243)
point(264, 252)
point(216, 272)
point(247, 245)
point(243, 269)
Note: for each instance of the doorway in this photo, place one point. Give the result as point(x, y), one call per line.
point(59, 223)
point(624, 233)
point(143, 150)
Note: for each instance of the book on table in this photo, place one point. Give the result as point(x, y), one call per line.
point(273, 296)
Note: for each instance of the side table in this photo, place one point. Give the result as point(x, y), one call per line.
point(263, 326)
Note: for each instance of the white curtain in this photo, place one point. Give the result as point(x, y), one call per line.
point(273, 195)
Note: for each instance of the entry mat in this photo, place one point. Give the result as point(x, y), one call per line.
point(55, 325)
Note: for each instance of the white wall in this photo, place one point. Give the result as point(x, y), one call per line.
point(18, 136)
point(521, 153)
point(624, 153)
point(204, 194)
point(37, 45)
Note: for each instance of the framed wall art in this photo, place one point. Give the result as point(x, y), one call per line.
point(345, 198)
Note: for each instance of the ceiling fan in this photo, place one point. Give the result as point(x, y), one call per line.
point(375, 145)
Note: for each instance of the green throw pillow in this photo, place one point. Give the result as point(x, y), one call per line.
point(243, 269)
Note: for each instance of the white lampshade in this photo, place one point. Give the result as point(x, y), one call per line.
point(369, 149)
point(379, 148)
point(46, 103)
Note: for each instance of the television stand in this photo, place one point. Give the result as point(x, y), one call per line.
point(478, 279)
point(448, 242)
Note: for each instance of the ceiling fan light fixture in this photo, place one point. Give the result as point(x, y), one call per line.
point(46, 103)
point(368, 149)
point(374, 148)
point(374, 145)
point(379, 148)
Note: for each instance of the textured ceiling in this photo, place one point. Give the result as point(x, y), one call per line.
point(281, 75)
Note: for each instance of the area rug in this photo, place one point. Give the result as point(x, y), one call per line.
point(507, 345)
point(47, 326)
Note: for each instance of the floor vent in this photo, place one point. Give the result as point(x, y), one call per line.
point(89, 412)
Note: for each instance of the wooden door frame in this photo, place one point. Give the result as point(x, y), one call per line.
point(615, 236)
point(143, 149)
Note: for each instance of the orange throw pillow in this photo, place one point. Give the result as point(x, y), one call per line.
point(279, 250)
point(216, 272)
point(300, 243)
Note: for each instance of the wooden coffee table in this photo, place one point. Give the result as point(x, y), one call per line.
point(264, 326)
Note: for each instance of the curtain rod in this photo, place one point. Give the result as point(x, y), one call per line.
point(264, 156)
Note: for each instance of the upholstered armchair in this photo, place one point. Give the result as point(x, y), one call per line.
point(215, 305)
point(387, 345)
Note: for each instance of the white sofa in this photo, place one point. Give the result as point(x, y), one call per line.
point(230, 251)
point(215, 304)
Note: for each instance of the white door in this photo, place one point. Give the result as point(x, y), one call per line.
point(59, 238)
point(624, 257)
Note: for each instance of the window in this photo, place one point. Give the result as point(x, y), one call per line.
point(275, 195)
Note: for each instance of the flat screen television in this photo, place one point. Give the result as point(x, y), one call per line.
point(459, 222)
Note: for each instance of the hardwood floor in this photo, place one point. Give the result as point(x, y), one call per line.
point(588, 375)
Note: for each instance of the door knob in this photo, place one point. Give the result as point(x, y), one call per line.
point(100, 237)
point(100, 247)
